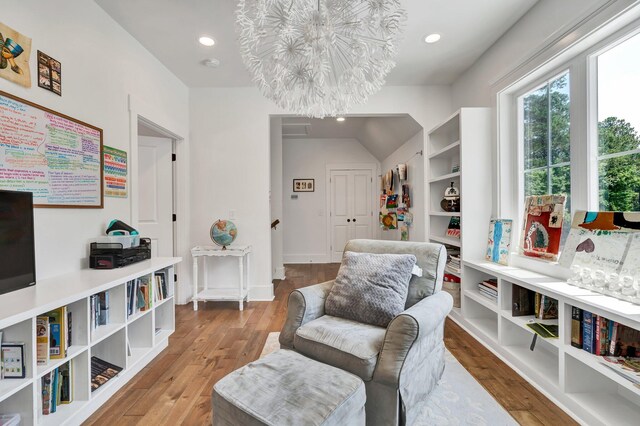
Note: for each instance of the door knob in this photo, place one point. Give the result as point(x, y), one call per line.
point(354, 219)
point(348, 220)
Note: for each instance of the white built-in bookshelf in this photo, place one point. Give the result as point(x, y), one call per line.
point(573, 378)
point(146, 331)
point(463, 140)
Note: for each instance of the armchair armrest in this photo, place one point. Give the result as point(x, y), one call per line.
point(305, 304)
point(407, 332)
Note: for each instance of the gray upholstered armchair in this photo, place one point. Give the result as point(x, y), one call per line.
point(401, 364)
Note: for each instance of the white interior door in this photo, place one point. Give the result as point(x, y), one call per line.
point(350, 208)
point(155, 193)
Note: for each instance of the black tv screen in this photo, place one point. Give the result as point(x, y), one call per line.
point(17, 247)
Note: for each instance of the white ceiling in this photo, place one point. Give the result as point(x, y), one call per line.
point(381, 136)
point(169, 29)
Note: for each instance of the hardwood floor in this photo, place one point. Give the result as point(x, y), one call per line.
point(208, 344)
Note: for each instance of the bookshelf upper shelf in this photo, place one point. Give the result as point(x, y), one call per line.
point(447, 151)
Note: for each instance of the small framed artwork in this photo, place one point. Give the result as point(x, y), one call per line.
point(49, 73)
point(304, 185)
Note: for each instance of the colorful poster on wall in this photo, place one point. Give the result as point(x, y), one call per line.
point(14, 60)
point(115, 173)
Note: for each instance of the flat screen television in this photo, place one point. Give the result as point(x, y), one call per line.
point(17, 246)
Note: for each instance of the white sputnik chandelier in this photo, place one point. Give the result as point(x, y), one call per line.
point(319, 57)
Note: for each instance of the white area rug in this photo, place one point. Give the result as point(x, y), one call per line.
point(458, 400)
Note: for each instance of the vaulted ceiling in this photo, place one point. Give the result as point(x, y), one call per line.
point(170, 29)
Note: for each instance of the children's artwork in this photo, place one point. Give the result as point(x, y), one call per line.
point(404, 233)
point(499, 241)
point(596, 221)
point(408, 218)
point(542, 230)
point(601, 250)
point(14, 60)
point(49, 73)
point(390, 221)
point(631, 263)
point(401, 212)
point(115, 172)
point(453, 230)
point(406, 197)
point(392, 201)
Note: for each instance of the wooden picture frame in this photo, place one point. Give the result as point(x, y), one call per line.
point(20, 107)
point(304, 185)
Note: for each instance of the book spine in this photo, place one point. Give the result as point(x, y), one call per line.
point(614, 338)
point(587, 331)
point(597, 322)
point(576, 327)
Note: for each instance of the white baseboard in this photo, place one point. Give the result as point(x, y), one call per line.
point(262, 293)
point(279, 273)
point(306, 258)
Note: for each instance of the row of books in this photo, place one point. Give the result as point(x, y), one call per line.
point(601, 336)
point(162, 290)
point(99, 310)
point(53, 335)
point(525, 302)
point(12, 365)
point(139, 296)
point(57, 388)
point(489, 289)
point(101, 372)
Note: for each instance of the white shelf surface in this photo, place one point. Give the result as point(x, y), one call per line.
point(484, 301)
point(445, 240)
point(610, 409)
point(163, 335)
point(229, 294)
point(63, 412)
point(457, 274)
point(594, 362)
point(9, 387)
point(539, 362)
point(138, 315)
point(488, 326)
point(104, 331)
point(444, 177)
point(72, 352)
point(136, 355)
point(162, 302)
point(51, 293)
point(530, 319)
point(445, 214)
point(447, 151)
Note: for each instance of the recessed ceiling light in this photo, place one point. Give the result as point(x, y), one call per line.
point(206, 41)
point(211, 63)
point(340, 119)
point(432, 38)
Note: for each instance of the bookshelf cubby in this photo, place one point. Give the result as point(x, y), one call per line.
point(574, 379)
point(18, 312)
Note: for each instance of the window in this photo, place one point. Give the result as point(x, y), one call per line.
point(545, 134)
point(619, 127)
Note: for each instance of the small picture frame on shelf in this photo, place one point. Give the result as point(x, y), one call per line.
point(304, 185)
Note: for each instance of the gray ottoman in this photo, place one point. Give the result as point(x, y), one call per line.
point(286, 388)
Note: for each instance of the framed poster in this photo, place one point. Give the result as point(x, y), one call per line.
point(304, 185)
point(49, 73)
point(56, 157)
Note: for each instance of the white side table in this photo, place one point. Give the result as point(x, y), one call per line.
point(238, 294)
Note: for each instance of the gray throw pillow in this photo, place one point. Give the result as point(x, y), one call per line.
point(370, 288)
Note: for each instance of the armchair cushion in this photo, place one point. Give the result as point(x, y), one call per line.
point(370, 288)
point(343, 343)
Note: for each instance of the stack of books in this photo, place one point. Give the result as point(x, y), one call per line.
point(53, 335)
point(57, 388)
point(453, 262)
point(489, 289)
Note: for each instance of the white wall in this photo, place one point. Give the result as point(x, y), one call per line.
point(537, 28)
point(277, 234)
point(415, 180)
point(230, 143)
point(101, 66)
point(305, 224)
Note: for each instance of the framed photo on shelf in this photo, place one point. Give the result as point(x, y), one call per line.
point(304, 185)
